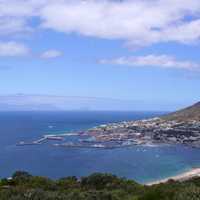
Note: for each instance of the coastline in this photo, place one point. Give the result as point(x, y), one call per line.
point(194, 172)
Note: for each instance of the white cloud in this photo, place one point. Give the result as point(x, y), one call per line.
point(51, 54)
point(10, 26)
point(13, 49)
point(15, 16)
point(159, 61)
point(137, 22)
point(185, 33)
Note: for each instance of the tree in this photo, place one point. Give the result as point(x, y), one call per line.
point(21, 176)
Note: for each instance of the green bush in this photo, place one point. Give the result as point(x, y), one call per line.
point(97, 186)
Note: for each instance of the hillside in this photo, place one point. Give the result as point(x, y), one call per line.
point(24, 186)
point(187, 114)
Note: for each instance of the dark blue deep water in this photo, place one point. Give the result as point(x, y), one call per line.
point(140, 163)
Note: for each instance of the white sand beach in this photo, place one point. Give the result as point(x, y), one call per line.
point(180, 177)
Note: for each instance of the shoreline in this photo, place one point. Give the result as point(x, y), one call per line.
point(194, 172)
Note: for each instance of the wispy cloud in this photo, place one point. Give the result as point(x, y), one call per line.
point(16, 15)
point(12, 48)
point(51, 54)
point(9, 26)
point(159, 61)
point(137, 22)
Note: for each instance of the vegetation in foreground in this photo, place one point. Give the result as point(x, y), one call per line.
point(24, 186)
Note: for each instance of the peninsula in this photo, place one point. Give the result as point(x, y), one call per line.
point(181, 127)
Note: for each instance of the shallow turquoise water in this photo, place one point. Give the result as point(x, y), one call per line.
point(142, 164)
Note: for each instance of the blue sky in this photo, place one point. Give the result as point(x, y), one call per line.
point(106, 49)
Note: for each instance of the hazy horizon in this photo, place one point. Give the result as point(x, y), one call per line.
point(24, 102)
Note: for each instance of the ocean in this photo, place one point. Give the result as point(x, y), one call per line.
point(141, 163)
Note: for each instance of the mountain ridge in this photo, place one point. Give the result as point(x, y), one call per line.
point(186, 114)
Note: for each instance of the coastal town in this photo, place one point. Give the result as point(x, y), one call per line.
point(150, 131)
point(128, 133)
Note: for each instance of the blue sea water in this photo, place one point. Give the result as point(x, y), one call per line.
point(140, 163)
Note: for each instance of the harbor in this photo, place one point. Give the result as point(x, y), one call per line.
point(85, 139)
point(40, 141)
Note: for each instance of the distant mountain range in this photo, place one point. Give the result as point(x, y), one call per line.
point(29, 102)
point(186, 114)
point(24, 102)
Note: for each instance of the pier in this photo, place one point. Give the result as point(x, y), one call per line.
point(41, 140)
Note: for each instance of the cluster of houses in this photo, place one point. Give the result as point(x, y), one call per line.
point(123, 134)
point(155, 130)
